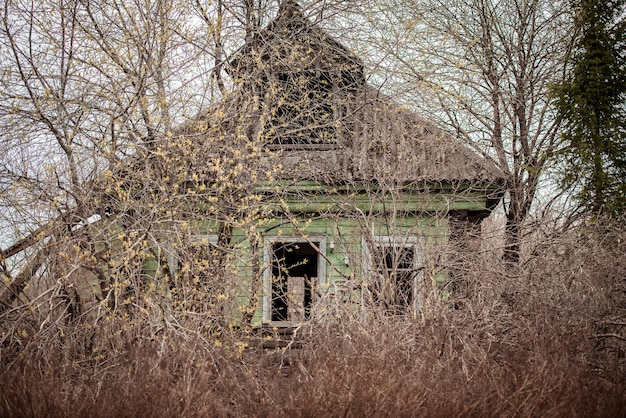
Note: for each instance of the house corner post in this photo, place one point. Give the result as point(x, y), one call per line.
point(465, 239)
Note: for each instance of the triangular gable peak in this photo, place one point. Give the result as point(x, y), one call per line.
point(330, 125)
point(291, 43)
point(303, 78)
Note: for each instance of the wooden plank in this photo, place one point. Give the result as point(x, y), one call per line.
point(295, 299)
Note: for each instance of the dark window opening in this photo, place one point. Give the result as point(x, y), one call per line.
point(304, 111)
point(294, 276)
point(395, 287)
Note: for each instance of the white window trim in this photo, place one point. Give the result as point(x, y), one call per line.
point(268, 245)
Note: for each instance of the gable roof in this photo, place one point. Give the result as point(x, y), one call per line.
point(384, 142)
point(375, 139)
point(378, 140)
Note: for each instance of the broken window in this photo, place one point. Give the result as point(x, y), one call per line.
point(303, 109)
point(294, 275)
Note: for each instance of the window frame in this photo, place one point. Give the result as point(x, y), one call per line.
point(268, 249)
point(371, 271)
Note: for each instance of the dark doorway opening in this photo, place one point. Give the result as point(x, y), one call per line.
point(294, 276)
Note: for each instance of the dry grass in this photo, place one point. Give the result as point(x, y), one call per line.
point(546, 339)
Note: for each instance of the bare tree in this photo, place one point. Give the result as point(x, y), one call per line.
point(118, 118)
point(84, 86)
point(485, 69)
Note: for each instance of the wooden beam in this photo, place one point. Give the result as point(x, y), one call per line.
point(17, 285)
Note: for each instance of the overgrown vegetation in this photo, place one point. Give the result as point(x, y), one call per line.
point(162, 158)
point(545, 340)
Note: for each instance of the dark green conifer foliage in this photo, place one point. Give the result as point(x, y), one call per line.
point(593, 107)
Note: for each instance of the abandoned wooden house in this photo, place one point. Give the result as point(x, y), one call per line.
point(363, 195)
point(306, 187)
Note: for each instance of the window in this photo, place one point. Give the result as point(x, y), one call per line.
point(395, 268)
point(303, 112)
point(294, 269)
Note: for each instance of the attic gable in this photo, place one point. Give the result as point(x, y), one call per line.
point(291, 43)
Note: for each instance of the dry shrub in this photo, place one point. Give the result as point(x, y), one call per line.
point(545, 338)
